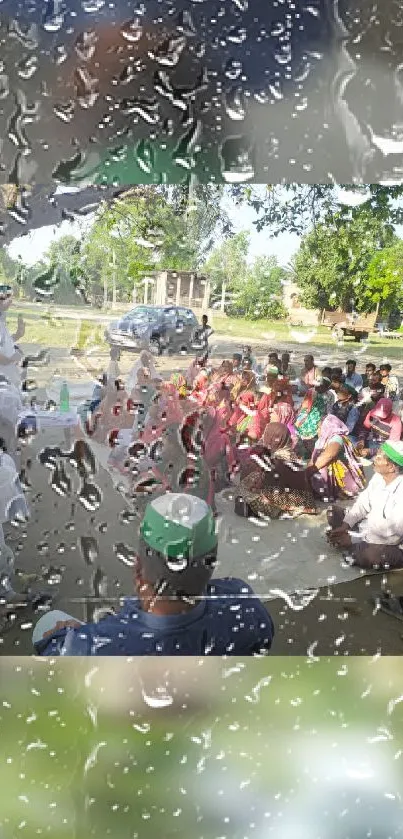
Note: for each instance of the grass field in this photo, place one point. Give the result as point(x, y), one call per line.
point(56, 330)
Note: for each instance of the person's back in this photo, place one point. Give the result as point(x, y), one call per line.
point(178, 609)
point(229, 620)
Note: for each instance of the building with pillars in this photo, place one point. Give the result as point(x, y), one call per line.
point(181, 288)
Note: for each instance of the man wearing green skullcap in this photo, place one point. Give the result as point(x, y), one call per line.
point(178, 609)
point(371, 531)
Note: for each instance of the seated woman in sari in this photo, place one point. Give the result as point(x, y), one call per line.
point(217, 449)
point(309, 417)
point(145, 365)
point(199, 363)
point(273, 481)
point(172, 463)
point(199, 392)
point(167, 408)
point(334, 467)
point(380, 425)
point(223, 374)
point(244, 381)
point(223, 406)
point(245, 406)
point(180, 384)
point(275, 405)
point(222, 377)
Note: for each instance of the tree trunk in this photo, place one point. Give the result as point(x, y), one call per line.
point(223, 295)
point(113, 280)
point(105, 291)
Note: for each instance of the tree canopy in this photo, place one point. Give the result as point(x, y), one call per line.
point(296, 208)
point(332, 264)
point(145, 229)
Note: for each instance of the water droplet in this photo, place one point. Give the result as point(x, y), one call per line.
point(237, 35)
point(90, 496)
point(86, 85)
point(54, 15)
point(89, 549)
point(99, 584)
point(255, 692)
point(64, 110)
point(159, 698)
point(297, 600)
point(236, 160)
point(92, 6)
point(125, 554)
point(45, 283)
point(169, 52)
point(233, 69)
point(132, 30)
point(53, 576)
point(4, 86)
point(145, 156)
point(85, 45)
point(235, 104)
point(185, 23)
point(61, 483)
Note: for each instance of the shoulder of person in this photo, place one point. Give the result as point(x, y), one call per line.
point(230, 585)
point(237, 589)
point(336, 438)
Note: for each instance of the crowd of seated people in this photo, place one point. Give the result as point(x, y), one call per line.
point(287, 444)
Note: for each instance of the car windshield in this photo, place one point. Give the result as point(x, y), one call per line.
point(141, 313)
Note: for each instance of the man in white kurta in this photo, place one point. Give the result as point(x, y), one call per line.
point(372, 529)
point(10, 355)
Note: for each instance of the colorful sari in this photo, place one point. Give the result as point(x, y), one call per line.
point(310, 415)
point(344, 476)
point(179, 383)
point(244, 413)
point(200, 387)
point(273, 481)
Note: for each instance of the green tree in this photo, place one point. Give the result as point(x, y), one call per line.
point(259, 294)
point(331, 266)
point(385, 279)
point(136, 235)
point(296, 208)
point(9, 268)
point(227, 265)
point(205, 215)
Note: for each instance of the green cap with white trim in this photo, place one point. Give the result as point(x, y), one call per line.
point(178, 525)
point(394, 451)
point(178, 544)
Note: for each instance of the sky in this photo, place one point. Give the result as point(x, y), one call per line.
point(33, 246)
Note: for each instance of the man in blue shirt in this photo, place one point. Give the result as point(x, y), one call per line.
point(178, 610)
point(352, 378)
point(345, 408)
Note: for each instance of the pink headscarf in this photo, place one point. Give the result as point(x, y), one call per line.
point(329, 427)
point(383, 409)
point(284, 412)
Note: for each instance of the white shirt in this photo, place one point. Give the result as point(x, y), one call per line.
point(379, 512)
point(12, 371)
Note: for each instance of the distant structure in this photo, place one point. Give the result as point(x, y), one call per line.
point(181, 288)
point(298, 315)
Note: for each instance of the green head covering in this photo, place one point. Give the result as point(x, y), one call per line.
point(178, 544)
point(394, 451)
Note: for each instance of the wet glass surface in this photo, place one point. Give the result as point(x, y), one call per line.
point(87, 496)
point(240, 91)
